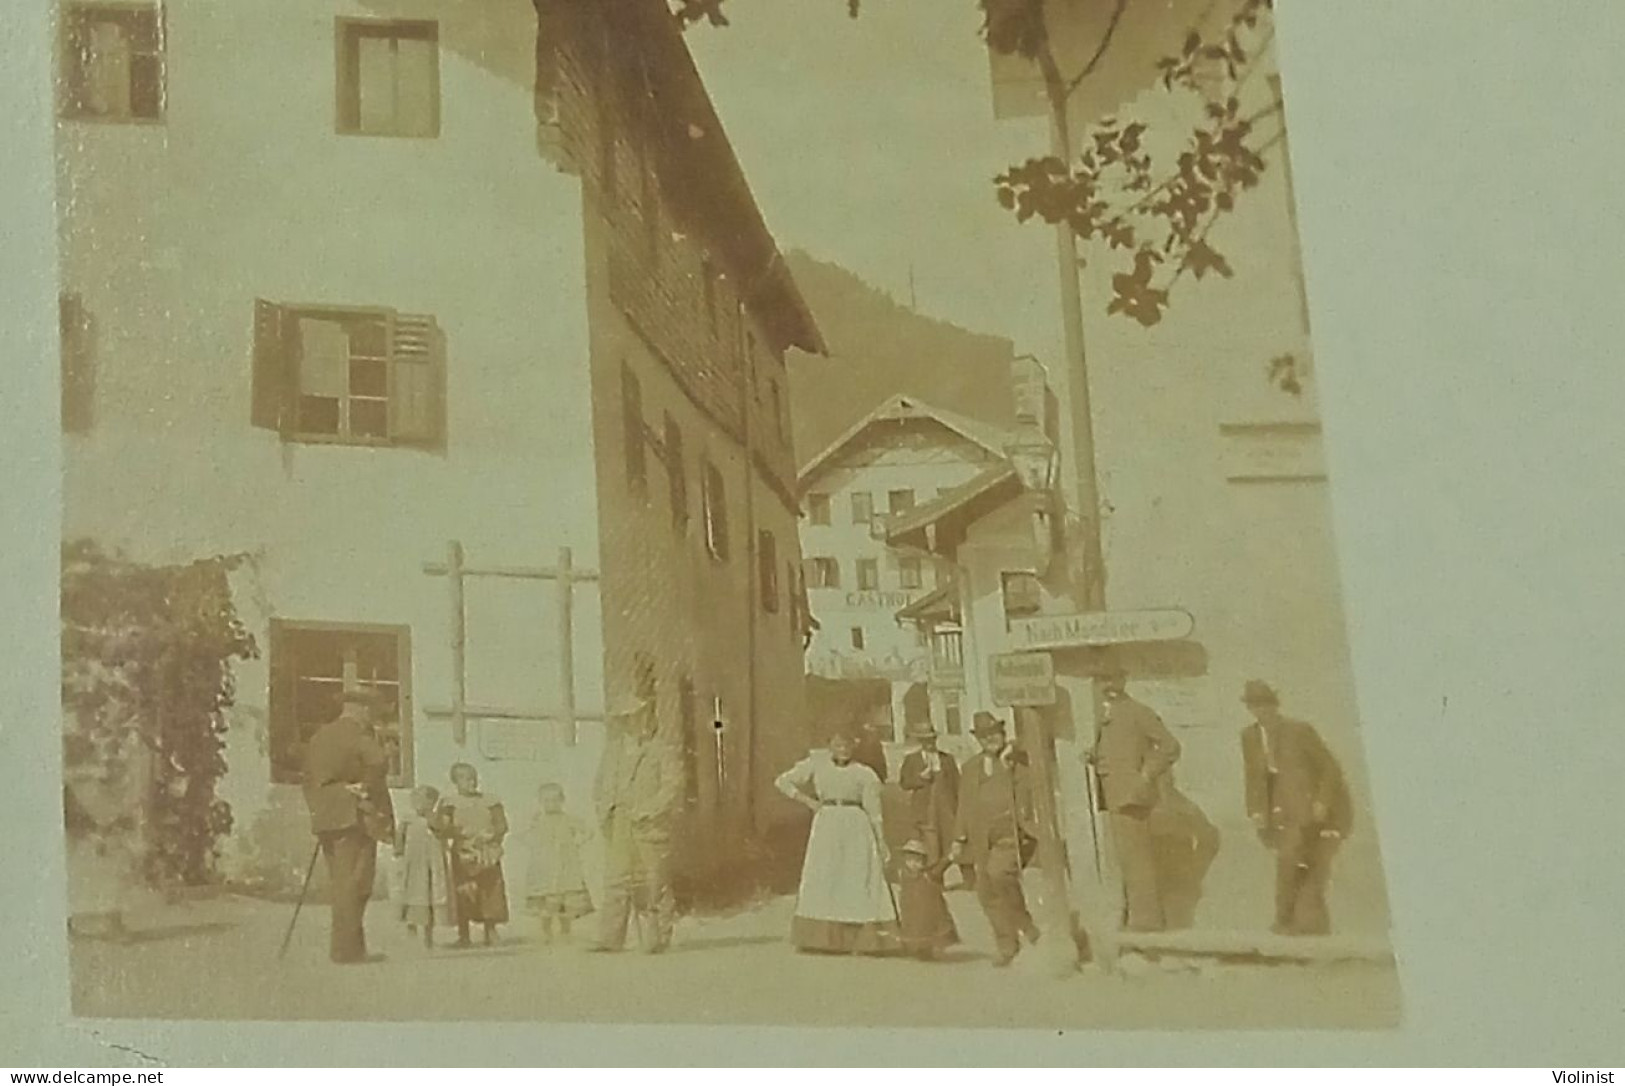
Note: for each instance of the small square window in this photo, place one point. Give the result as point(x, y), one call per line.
point(113, 62)
point(899, 501)
point(868, 575)
point(863, 507)
point(823, 573)
point(389, 78)
point(818, 508)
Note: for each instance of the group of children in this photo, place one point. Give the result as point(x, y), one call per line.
point(448, 861)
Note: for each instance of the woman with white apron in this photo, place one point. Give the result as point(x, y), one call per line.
point(845, 905)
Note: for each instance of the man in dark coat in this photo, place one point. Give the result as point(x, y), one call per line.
point(995, 813)
point(1299, 802)
point(931, 780)
point(1133, 751)
point(638, 793)
point(347, 790)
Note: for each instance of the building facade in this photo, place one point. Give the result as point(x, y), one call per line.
point(904, 453)
point(455, 294)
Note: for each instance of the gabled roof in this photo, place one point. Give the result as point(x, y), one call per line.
point(924, 526)
point(939, 603)
point(905, 408)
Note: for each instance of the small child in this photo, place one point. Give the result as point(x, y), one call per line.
point(475, 824)
point(928, 926)
point(423, 876)
point(555, 886)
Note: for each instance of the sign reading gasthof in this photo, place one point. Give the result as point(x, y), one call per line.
point(1100, 628)
point(1022, 679)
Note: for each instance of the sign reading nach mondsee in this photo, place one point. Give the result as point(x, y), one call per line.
point(1100, 628)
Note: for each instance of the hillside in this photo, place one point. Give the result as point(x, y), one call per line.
point(879, 349)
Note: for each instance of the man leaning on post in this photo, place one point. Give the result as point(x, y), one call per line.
point(1133, 751)
point(347, 790)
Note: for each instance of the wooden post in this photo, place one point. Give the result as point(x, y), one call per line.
point(1062, 949)
point(567, 664)
point(459, 645)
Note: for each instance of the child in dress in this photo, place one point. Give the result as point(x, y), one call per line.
point(475, 825)
point(928, 926)
point(423, 877)
point(555, 885)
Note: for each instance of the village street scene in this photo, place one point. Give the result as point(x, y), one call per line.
point(734, 511)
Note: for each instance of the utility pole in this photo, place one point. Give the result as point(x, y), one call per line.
point(1098, 919)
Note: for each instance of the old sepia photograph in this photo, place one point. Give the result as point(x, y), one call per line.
point(734, 512)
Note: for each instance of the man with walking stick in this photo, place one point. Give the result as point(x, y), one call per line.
point(346, 789)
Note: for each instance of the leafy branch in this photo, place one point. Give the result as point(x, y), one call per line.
point(1152, 213)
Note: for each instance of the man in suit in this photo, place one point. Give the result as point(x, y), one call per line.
point(1133, 750)
point(347, 790)
point(638, 793)
point(931, 780)
point(1299, 802)
point(995, 813)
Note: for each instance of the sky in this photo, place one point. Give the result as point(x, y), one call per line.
point(872, 143)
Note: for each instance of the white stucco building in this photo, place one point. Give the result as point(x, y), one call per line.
point(350, 281)
point(902, 454)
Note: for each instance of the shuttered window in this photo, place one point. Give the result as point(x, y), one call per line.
point(767, 566)
point(715, 499)
point(676, 474)
point(634, 432)
point(113, 62)
point(389, 78)
point(78, 365)
point(368, 376)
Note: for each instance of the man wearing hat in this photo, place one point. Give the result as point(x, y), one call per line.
point(638, 792)
point(1299, 802)
point(995, 815)
point(1133, 751)
point(931, 780)
point(346, 788)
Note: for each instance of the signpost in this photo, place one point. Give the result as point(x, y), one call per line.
point(1024, 679)
point(1100, 628)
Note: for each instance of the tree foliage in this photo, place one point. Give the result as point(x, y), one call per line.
point(1148, 212)
point(146, 680)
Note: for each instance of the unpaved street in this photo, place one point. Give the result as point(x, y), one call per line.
point(217, 960)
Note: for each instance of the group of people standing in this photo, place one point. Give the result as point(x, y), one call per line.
point(449, 849)
point(980, 817)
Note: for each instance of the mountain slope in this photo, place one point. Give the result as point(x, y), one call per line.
point(879, 349)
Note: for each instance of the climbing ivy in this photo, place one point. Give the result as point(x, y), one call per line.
point(146, 682)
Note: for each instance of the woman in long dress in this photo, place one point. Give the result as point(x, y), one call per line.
point(844, 905)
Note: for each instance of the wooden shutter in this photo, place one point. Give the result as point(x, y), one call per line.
point(78, 362)
point(767, 561)
point(417, 393)
point(677, 474)
point(276, 373)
